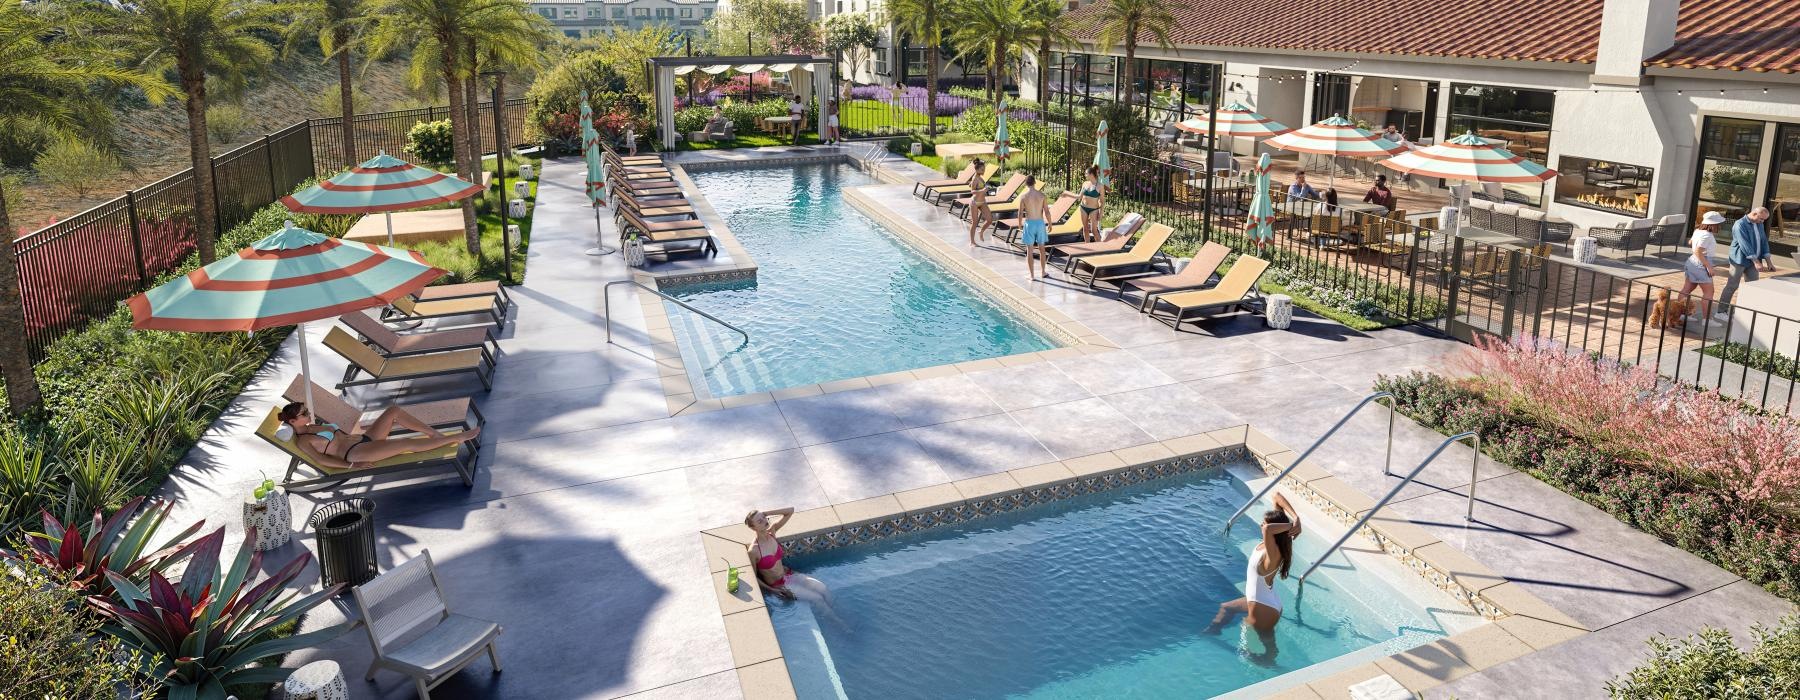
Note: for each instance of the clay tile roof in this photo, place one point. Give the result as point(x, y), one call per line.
point(1522, 30)
point(1753, 35)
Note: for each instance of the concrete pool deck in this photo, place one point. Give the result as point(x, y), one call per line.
point(579, 534)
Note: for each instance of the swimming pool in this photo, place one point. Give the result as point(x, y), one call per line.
point(1101, 595)
point(836, 295)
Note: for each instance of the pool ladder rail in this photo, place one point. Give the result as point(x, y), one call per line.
point(1387, 467)
point(607, 293)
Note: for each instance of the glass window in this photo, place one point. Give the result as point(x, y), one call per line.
point(689, 12)
point(1196, 94)
point(1517, 118)
point(571, 12)
point(640, 12)
point(1331, 96)
point(1102, 78)
point(618, 12)
point(1729, 151)
point(915, 60)
point(1604, 185)
point(1784, 188)
point(595, 11)
point(881, 59)
point(547, 12)
point(664, 12)
point(572, 33)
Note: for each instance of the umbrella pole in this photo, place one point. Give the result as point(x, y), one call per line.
point(599, 247)
point(390, 226)
point(305, 369)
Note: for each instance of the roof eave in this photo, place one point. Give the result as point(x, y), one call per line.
point(1583, 66)
point(1788, 77)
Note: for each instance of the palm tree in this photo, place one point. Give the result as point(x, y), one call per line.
point(992, 30)
point(1044, 26)
point(924, 21)
point(46, 67)
point(338, 25)
point(197, 39)
point(509, 38)
point(1122, 22)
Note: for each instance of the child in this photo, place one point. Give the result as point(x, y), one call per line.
point(631, 139)
point(831, 125)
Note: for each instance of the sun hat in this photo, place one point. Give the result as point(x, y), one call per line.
point(1713, 217)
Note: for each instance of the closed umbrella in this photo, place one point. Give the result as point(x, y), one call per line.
point(1101, 160)
point(1002, 144)
point(1260, 221)
point(288, 278)
point(1335, 137)
point(596, 172)
point(383, 184)
point(1469, 158)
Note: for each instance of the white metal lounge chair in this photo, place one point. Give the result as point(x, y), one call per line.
point(407, 603)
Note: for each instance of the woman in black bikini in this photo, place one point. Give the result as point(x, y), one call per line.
point(341, 448)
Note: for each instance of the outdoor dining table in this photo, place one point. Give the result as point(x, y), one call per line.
point(778, 124)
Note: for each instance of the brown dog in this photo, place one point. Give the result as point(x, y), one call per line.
point(1668, 313)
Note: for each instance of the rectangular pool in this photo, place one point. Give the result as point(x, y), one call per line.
point(1100, 595)
point(836, 295)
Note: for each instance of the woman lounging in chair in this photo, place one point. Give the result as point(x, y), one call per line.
point(341, 448)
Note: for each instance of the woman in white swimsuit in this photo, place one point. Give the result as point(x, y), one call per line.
point(1261, 605)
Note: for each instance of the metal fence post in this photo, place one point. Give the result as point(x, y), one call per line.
point(1455, 268)
point(269, 158)
point(1513, 260)
point(212, 166)
point(137, 239)
point(1412, 276)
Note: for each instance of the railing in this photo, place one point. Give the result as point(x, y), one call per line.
point(607, 306)
point(1386, 466)
point(1469, 515)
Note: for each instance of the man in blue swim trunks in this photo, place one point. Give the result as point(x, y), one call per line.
point(1036, 210)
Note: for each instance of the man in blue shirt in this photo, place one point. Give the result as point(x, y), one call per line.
point(1300, 188)
point(1749, 253)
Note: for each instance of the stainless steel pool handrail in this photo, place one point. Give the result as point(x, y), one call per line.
point(607, 305)
point(1386, 468)
point(1474, 465)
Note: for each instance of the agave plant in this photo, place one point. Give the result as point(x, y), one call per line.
point(108, 547)
point(206, 632)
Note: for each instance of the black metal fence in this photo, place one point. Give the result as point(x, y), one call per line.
point(79, 269)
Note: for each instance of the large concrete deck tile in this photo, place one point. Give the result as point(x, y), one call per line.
point(864, 467)
point(1357, 451)
point(1171, 411)
point(936, 400)
point(724, 491)
point(838, 416)
point(1579, 668)
point(572, 410)
point(559, 339)
point(1358, 371)
point(626, 450)
point(979, 446)
point(1112, 372)
point(1127, 328)
point(1265, 397)
point(558, 304)
point(1311, 337)
point(1188, 358)
point(528, 371)
point(1079, 428)
point(1569, 554)
point(1028, 386)
point(718, 686)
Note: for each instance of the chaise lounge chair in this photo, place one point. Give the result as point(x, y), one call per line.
point(1112, 240)
point(1013, 188)
point(413, 631)
point(647, 159)
point(1059, 211)
point(665, 207)
point(466, 289)
point(1197, 274)
point(364, 360)
point(922, 188)
point(1141, 260)
point(1233, 291)
point(392, 344)
point(406, 309)
point(462, 457)
point(444, 414)
point(666, 233)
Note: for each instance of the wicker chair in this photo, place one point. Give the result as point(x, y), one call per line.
point(1671, 230)
point(1557, 230)
point(1481, 214)
point(1528, 225)
point(1630, 237)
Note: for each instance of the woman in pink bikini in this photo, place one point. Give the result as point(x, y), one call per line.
point(771, 568)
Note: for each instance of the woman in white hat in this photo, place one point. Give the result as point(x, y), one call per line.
point(1698, 267)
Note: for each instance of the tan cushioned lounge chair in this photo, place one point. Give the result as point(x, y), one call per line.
point(1143, 255)
point(1233, 291)
point(1198, 272)
point(364, 359)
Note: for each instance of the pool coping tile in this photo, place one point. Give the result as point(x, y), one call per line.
point(1041, 475)
point(752, 637)
point(766, 681)
point(868, 510)
point(748, 597)
point(989, 486)
point(929, 498)
point(1094, 464)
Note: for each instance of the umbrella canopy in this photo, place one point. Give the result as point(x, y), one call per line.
point(590, 146)
point(1101, 160)
point(1469, 158)
point(381, 184)
point(1336, 136)
point(1002, 144)
point(1260, 221)
point(1236, 120)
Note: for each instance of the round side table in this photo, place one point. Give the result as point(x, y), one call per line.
point(273, 521)
point(319, 680)
point(1280, 312)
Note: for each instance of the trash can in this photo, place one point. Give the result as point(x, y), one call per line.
point(345, 534)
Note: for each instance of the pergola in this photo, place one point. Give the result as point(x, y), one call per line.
point(663, 70)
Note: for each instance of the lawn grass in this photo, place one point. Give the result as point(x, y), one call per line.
point(454, 256)
point(929, 161)
point(747, 141)
point(869, 115)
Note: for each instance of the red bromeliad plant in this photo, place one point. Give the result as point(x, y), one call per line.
point(115, 545)
point(206, 632)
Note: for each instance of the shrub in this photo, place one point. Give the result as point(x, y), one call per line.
point(692, 119)
point(77, 167)
point(901, 145)
point(50, 649)
point(744, 116)
point(226, 122)
point(1708, 665)
point(556, 93)
point(87, 557)
point(432, 142)
point(331, 102)
point(952, 166)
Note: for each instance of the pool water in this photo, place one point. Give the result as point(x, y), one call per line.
point(836, 295)
point(1105, 595)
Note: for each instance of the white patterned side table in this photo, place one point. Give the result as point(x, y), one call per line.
point(1587, 249)
point(319, 680)
point(1279, 311)
point(270, 516)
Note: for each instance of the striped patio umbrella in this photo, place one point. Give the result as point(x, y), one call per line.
point(1100, 158)
point(1260, 221)
point(1002, 143)
point(1236, 120)
point(596, 172)
point(383, 184)
point(288, 278)
point(1335, 137)
point(1469, 158)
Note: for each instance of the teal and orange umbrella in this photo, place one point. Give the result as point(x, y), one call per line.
point(1002, 141)
point(1259, 222)
point(1469, 158)
point(596, 172)
point(381, 185)
point(288, 278)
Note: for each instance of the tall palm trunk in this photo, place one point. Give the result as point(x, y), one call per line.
point(193, 81)
point(1130, 62)
point(459, 135)
point(346, 95)
point(931, 82)
point(1043, 82)
point(997, 72)
point(15, 356)
point(472, 103)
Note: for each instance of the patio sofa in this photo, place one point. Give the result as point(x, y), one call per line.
point(1524, 223)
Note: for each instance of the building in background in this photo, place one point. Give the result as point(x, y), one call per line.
point(581, 18)
point(892, 61)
